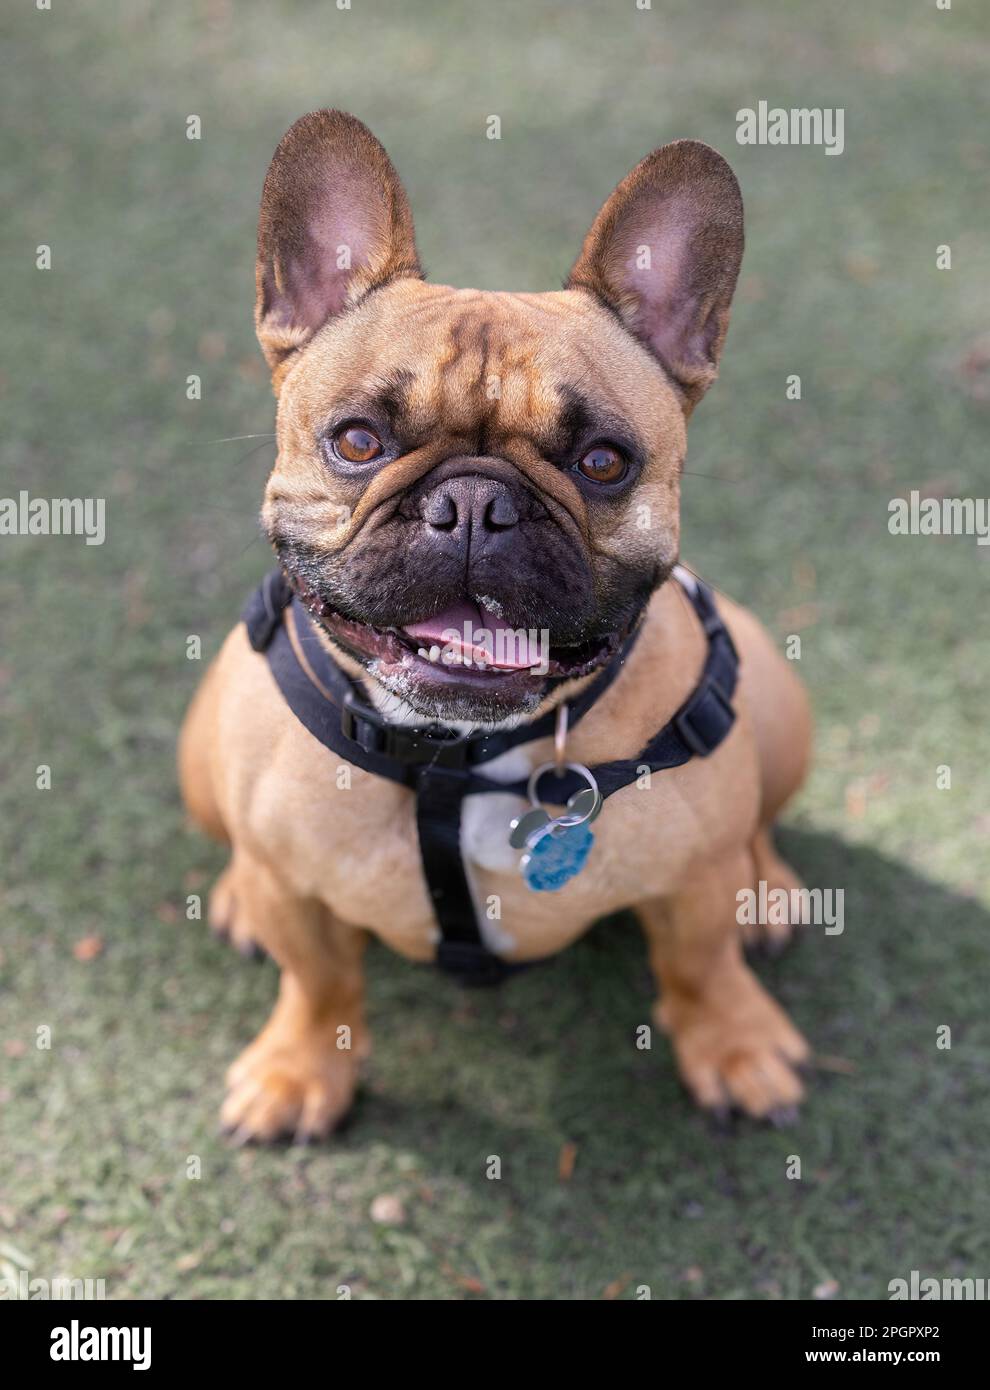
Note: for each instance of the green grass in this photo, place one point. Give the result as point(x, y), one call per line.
point(785, 506)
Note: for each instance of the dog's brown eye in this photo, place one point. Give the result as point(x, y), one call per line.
point(603, 465)
point(356, 444)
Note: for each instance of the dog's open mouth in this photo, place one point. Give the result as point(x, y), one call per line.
point(465, 644)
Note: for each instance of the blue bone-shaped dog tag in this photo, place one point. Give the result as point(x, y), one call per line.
point(556, 854)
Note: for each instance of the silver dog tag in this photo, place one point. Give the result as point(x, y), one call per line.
point(522, 827)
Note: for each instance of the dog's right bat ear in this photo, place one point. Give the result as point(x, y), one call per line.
point(335, 223)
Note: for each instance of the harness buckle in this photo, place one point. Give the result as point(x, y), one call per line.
point(433, 744)
point(706, 719)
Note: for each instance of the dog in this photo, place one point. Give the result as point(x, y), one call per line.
point(516, 457)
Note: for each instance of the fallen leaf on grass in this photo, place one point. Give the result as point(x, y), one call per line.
point(88, 948)
point(860, 267)
point(467, 1282)
point(566, 1161)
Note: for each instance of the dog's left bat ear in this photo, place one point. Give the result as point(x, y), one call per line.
point(335, 223)
point(664, 252)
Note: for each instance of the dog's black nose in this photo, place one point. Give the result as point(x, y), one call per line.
point(465, 507)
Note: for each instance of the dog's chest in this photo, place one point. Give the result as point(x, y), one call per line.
point(355, 845)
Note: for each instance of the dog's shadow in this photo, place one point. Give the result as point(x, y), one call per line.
point(545, 1092)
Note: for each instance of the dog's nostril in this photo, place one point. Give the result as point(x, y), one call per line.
point(501, 513)
point(440, 510)
point(473, 504)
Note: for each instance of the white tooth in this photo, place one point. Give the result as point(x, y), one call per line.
point(422, 652)
point(481, 665)
point(434, 653)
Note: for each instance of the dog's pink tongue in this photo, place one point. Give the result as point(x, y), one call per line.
point(457, 617)
point(475, 632)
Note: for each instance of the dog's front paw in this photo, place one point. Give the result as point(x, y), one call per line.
point(230, 921)
point(289, 1083)
point(773, 930)
point(736, 1047)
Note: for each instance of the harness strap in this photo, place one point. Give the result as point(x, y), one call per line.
point(442, 767)
point(460, 951)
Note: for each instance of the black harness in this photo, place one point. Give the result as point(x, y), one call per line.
point(442, 766)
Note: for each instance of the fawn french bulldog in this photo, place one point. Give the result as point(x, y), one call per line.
point(449, 457)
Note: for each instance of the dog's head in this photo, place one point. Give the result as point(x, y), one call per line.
point(476, 493)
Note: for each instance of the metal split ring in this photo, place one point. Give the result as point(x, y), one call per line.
point(584, 805)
